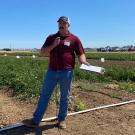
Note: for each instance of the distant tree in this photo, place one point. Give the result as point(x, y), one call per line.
point(6, 49)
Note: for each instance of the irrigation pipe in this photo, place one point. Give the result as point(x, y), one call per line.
point(69, 114)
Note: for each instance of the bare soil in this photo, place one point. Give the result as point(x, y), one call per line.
point(118, 120)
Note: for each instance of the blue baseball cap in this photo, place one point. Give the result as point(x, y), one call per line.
point(65, 19)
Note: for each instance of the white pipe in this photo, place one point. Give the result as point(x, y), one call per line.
point(70, 114)
point(92, 109)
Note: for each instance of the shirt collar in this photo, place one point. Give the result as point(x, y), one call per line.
point(67, 35)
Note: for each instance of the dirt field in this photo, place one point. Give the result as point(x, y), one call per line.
point(112, 121)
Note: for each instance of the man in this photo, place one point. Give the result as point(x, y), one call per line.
point(61, 48)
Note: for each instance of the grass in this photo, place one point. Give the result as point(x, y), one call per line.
point(126, 56)
point(128, 86)
point(114, 95)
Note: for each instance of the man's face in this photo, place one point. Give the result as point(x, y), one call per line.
point(63, 26)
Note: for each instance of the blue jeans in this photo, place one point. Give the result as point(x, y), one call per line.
point(51, 79)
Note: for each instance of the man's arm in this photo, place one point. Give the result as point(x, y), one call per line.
point(82, 59)
point(45, 51)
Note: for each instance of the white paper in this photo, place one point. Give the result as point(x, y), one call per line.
point(92, 68)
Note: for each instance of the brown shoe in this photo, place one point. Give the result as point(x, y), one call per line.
point(30, 123)
point(62, 124)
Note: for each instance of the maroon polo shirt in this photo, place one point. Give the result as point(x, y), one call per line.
point(63, 55)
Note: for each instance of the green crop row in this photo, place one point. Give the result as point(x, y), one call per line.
point(112, 73)
point(25, 76)
point(127, 56)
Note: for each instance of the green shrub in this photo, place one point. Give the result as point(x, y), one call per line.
point(80, 105)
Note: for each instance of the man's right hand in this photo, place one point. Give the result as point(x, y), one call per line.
point(56, 41)
point(45, 51)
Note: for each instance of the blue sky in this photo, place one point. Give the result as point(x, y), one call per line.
point(27, 23)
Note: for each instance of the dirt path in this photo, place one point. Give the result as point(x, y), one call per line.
point(112, 121)
point(11, 110)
